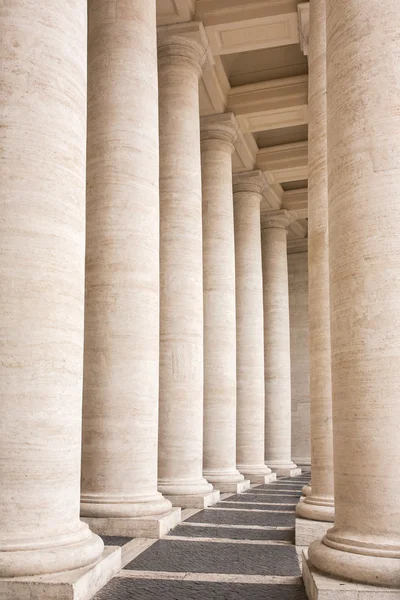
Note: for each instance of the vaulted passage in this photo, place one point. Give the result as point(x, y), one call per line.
point(242, 547)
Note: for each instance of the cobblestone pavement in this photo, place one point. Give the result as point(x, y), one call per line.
point(243, 547)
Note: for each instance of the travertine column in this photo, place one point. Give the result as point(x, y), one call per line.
point(363, 86)
point(319, 503)
point(42, 260)
point(180, 57)
point(120, 407)
point(278, 413)
point(247, 194)
point(218, 134)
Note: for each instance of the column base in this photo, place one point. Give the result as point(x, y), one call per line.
point(235, 488)
point(368, 568)
point(321, 587)
point(142, 527)
point(257, 475)
point(195, 500)
point(306, 491)
point(294, 472)
point(260, 479)
point(284, 468)
point(80, 584)
point(308, 531)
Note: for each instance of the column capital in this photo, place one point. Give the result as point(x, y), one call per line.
point(250, 182)
point(183, 42)
point(275, 219)
point(219, 128)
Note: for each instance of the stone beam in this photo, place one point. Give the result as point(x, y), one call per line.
point(214, 89)
point(174, 11)
point(234, 26)
point(296, 202)
point(303, 15)
point(287, 162)
point(271, 104)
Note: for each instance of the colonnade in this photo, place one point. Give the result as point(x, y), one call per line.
point(354, 285)
point(167, 269)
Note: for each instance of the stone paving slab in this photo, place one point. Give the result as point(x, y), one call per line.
point(252, 506)
point(144, 589)
point(207, 557)
point(114, 540)
point(233, 517)
point(234, 534)
point(260, 498)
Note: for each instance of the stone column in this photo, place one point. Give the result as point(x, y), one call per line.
point(42, 260)
point(120, 407)
point(278, 415)
point(181, 53)
point(248, 190)
point(318, 505)
point(364, 222)
point(218, 134)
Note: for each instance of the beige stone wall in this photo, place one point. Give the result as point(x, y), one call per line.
point(300, 371)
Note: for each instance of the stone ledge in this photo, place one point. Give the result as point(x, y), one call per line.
point(143, 527)
point(194, 501)
point(295, 472)
point(321, 587)
point(80, 584)
point(260, 479)
point(234, 488)
point(308, 531)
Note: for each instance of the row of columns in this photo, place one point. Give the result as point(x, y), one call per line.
point(172, 287)
point(354, 285)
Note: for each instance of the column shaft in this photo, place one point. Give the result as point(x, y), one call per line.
point(181, 359)
point(278, 413)
point(218, 134)
point(363, 90)
point(319, 504)
point(248, 190)
point(120, 409)
point(42, 250)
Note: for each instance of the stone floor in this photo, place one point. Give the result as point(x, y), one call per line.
point(241, 548)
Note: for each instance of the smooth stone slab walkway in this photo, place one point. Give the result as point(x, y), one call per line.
point(241, 548)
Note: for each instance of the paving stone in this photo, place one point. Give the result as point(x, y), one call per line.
point(233, 517)
point(113, 540)
point(143, 589)
point(207, 557)
point(252, 506)
point(259, 498)
point(234, 534)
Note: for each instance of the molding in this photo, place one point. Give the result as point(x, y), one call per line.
point(175, 11)
point(275, 219)
point(253, 34)
point(192, 31)
point(222, 127)
point(271, 104)
point(217, 12)
point(303, 17)
point(287, 162)
point(296, 202)
point(249, 182)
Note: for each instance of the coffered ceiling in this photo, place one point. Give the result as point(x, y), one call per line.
point(258, 70)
